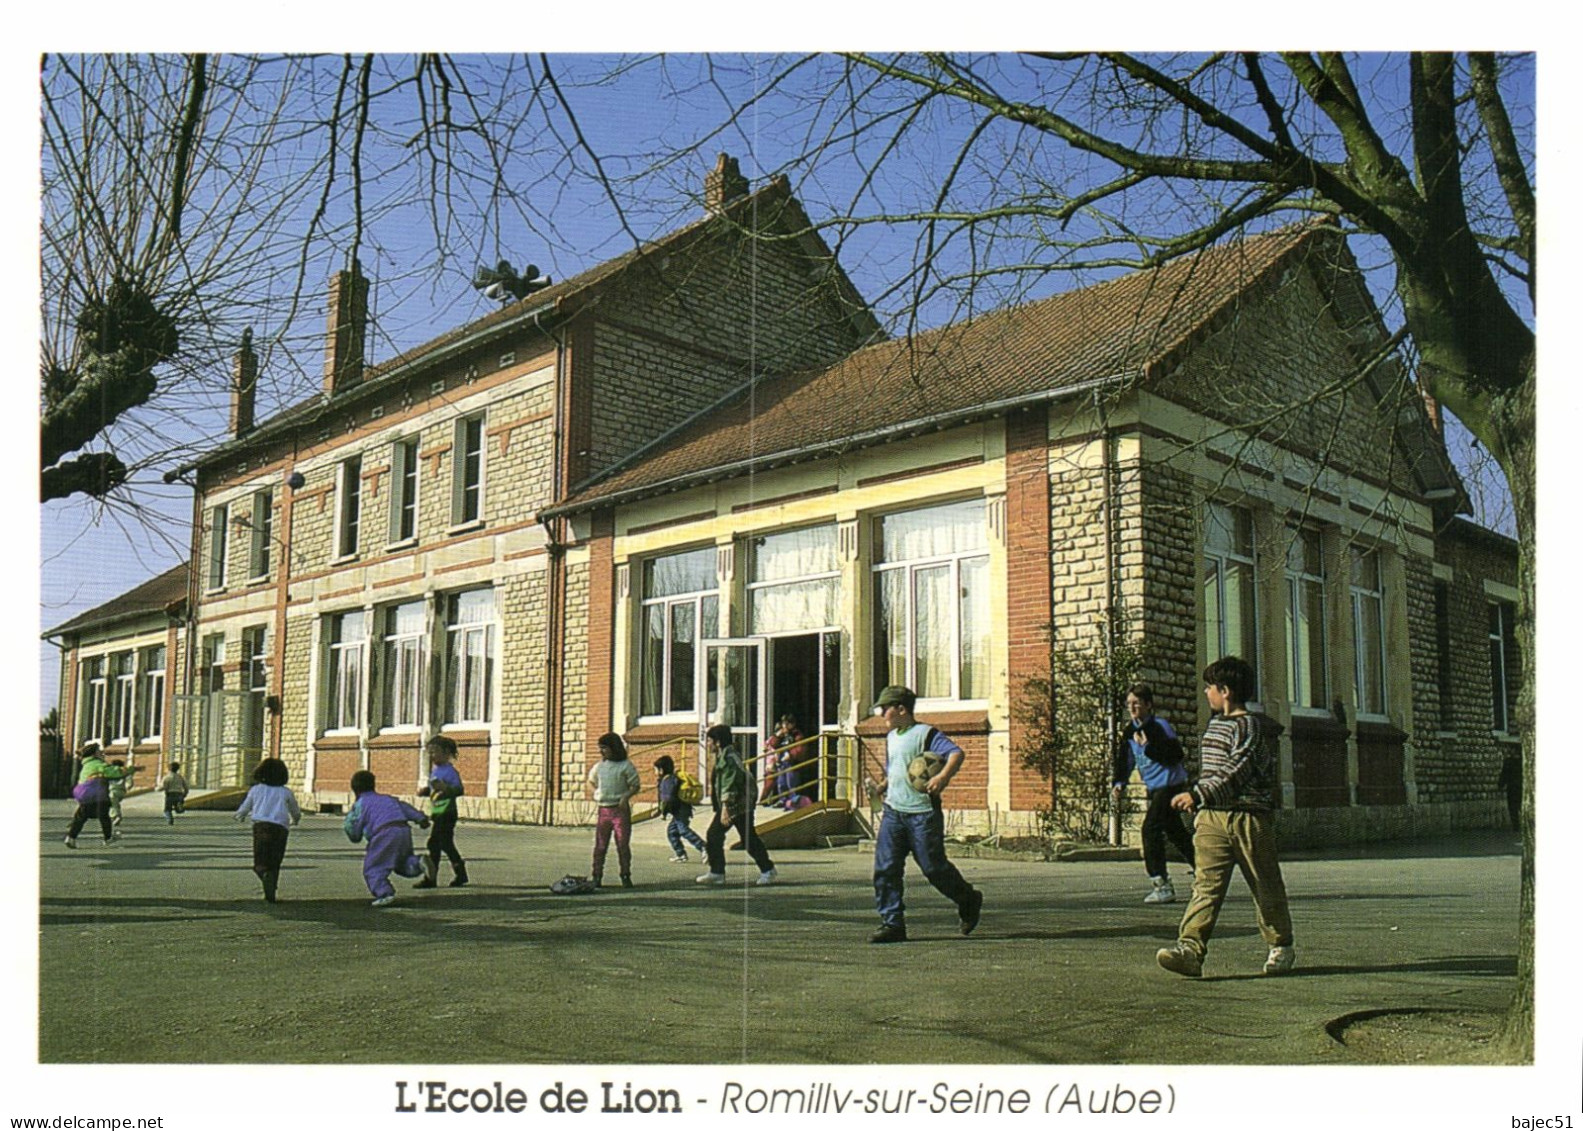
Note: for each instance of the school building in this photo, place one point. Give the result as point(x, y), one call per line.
point(695, 485)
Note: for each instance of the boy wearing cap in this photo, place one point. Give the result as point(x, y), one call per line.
point(912, 821)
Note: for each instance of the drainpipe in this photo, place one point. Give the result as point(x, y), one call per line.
point(555, 610)
point(1107, 522)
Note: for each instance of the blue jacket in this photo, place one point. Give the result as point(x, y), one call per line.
point(1159, 763)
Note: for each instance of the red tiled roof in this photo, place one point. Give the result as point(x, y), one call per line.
point(1113, 330)
point(148, 597)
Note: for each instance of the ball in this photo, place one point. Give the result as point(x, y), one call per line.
point(922, 768)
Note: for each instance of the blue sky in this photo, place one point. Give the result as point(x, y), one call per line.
point(563, 222)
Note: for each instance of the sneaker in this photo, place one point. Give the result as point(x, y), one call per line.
point(1181, 959)
point(109, 842)
point(715, 878)
point(679, 858)
point(426, 882)
point(1280, 960)
point(626, 881)
point(431, 872)
point(889, 933)
point(70, 842)
point(116, 835)
point(460, 880)
point(1163, 891)
point(969, 914)
point(169, 820)
point(384, 901)
point(766, 878)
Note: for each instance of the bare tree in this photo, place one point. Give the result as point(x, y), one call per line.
point(1006, 170)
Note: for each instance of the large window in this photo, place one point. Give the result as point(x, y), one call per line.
point(931, 573)
point(349, 507)
point(217, 545)
point(404, 490)
point(1305, 620)
point(681, 604)
point(470, 656)
point(262, 524)
point(151, 693)
point(90, 722)
point(1503, 666)
point(255, 681)
point(346, 650)
point(123, 683)
point(467, 476)
point(1230, 605)
point(212, 674)
point(1368, 632)
point(402, 667)
point(794, 583)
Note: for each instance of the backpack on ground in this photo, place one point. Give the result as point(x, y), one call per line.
point(688, 788)
point(573, 885)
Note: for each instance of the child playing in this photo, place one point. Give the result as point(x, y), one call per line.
point(615, 782)
point(174, 787)
point(445, 786)
point(1234, 796)
point(679, 811)
point(92, 794)
point(732, 791)
point(1148, 744)
point(383, 820)
point(117, 777)
point(273, 808)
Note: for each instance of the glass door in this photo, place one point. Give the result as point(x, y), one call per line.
point(732, 674)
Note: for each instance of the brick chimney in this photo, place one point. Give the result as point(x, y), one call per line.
point(343, 353)
point(723, 184)
point(244, 385)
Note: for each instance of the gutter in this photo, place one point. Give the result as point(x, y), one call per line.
point(934, 422)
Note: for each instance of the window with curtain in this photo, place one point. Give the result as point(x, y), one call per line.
point(404, 662)
point(1231, 622)
point(123, 682)
point(931, 579)
point(1368, 631)
point(470, 656)
point(680, 606)
point(346, 652)
point(1305, 620)
point(151, 693)
point(794, 581)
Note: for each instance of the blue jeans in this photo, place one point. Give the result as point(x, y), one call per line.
point(923, 836)
point(679, 830)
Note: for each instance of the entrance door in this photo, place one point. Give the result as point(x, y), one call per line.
point(733, 680)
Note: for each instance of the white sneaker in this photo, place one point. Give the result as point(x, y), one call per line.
point(384, 901)
point(715, 878)
point(679, 858)
point(70, 842)
point(767, 878)
point(1163, 891)
point(1280, 960)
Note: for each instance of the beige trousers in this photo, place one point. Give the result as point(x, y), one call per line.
point(1223, 838)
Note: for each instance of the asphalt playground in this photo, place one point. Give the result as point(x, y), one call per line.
point(161, 950)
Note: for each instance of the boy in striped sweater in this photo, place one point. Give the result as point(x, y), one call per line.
point(1234, 797)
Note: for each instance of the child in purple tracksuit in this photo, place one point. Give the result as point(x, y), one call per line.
point(383, 820)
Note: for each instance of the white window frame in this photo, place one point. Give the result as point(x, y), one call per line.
point(1500, 699)
point(403, 669)
point(1362, 596)
point(404, 490)
point(702, 630)
point(463, 489)
point(151, 693)
point(346, 667)
point(95, 692)
point(219, 545)
point(912, 566)
point(462, 692)
point(754, 588)
point(262, 524)
point(1221, 561)
point(348, 507)
point(1296, 659)
point(123, 671)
